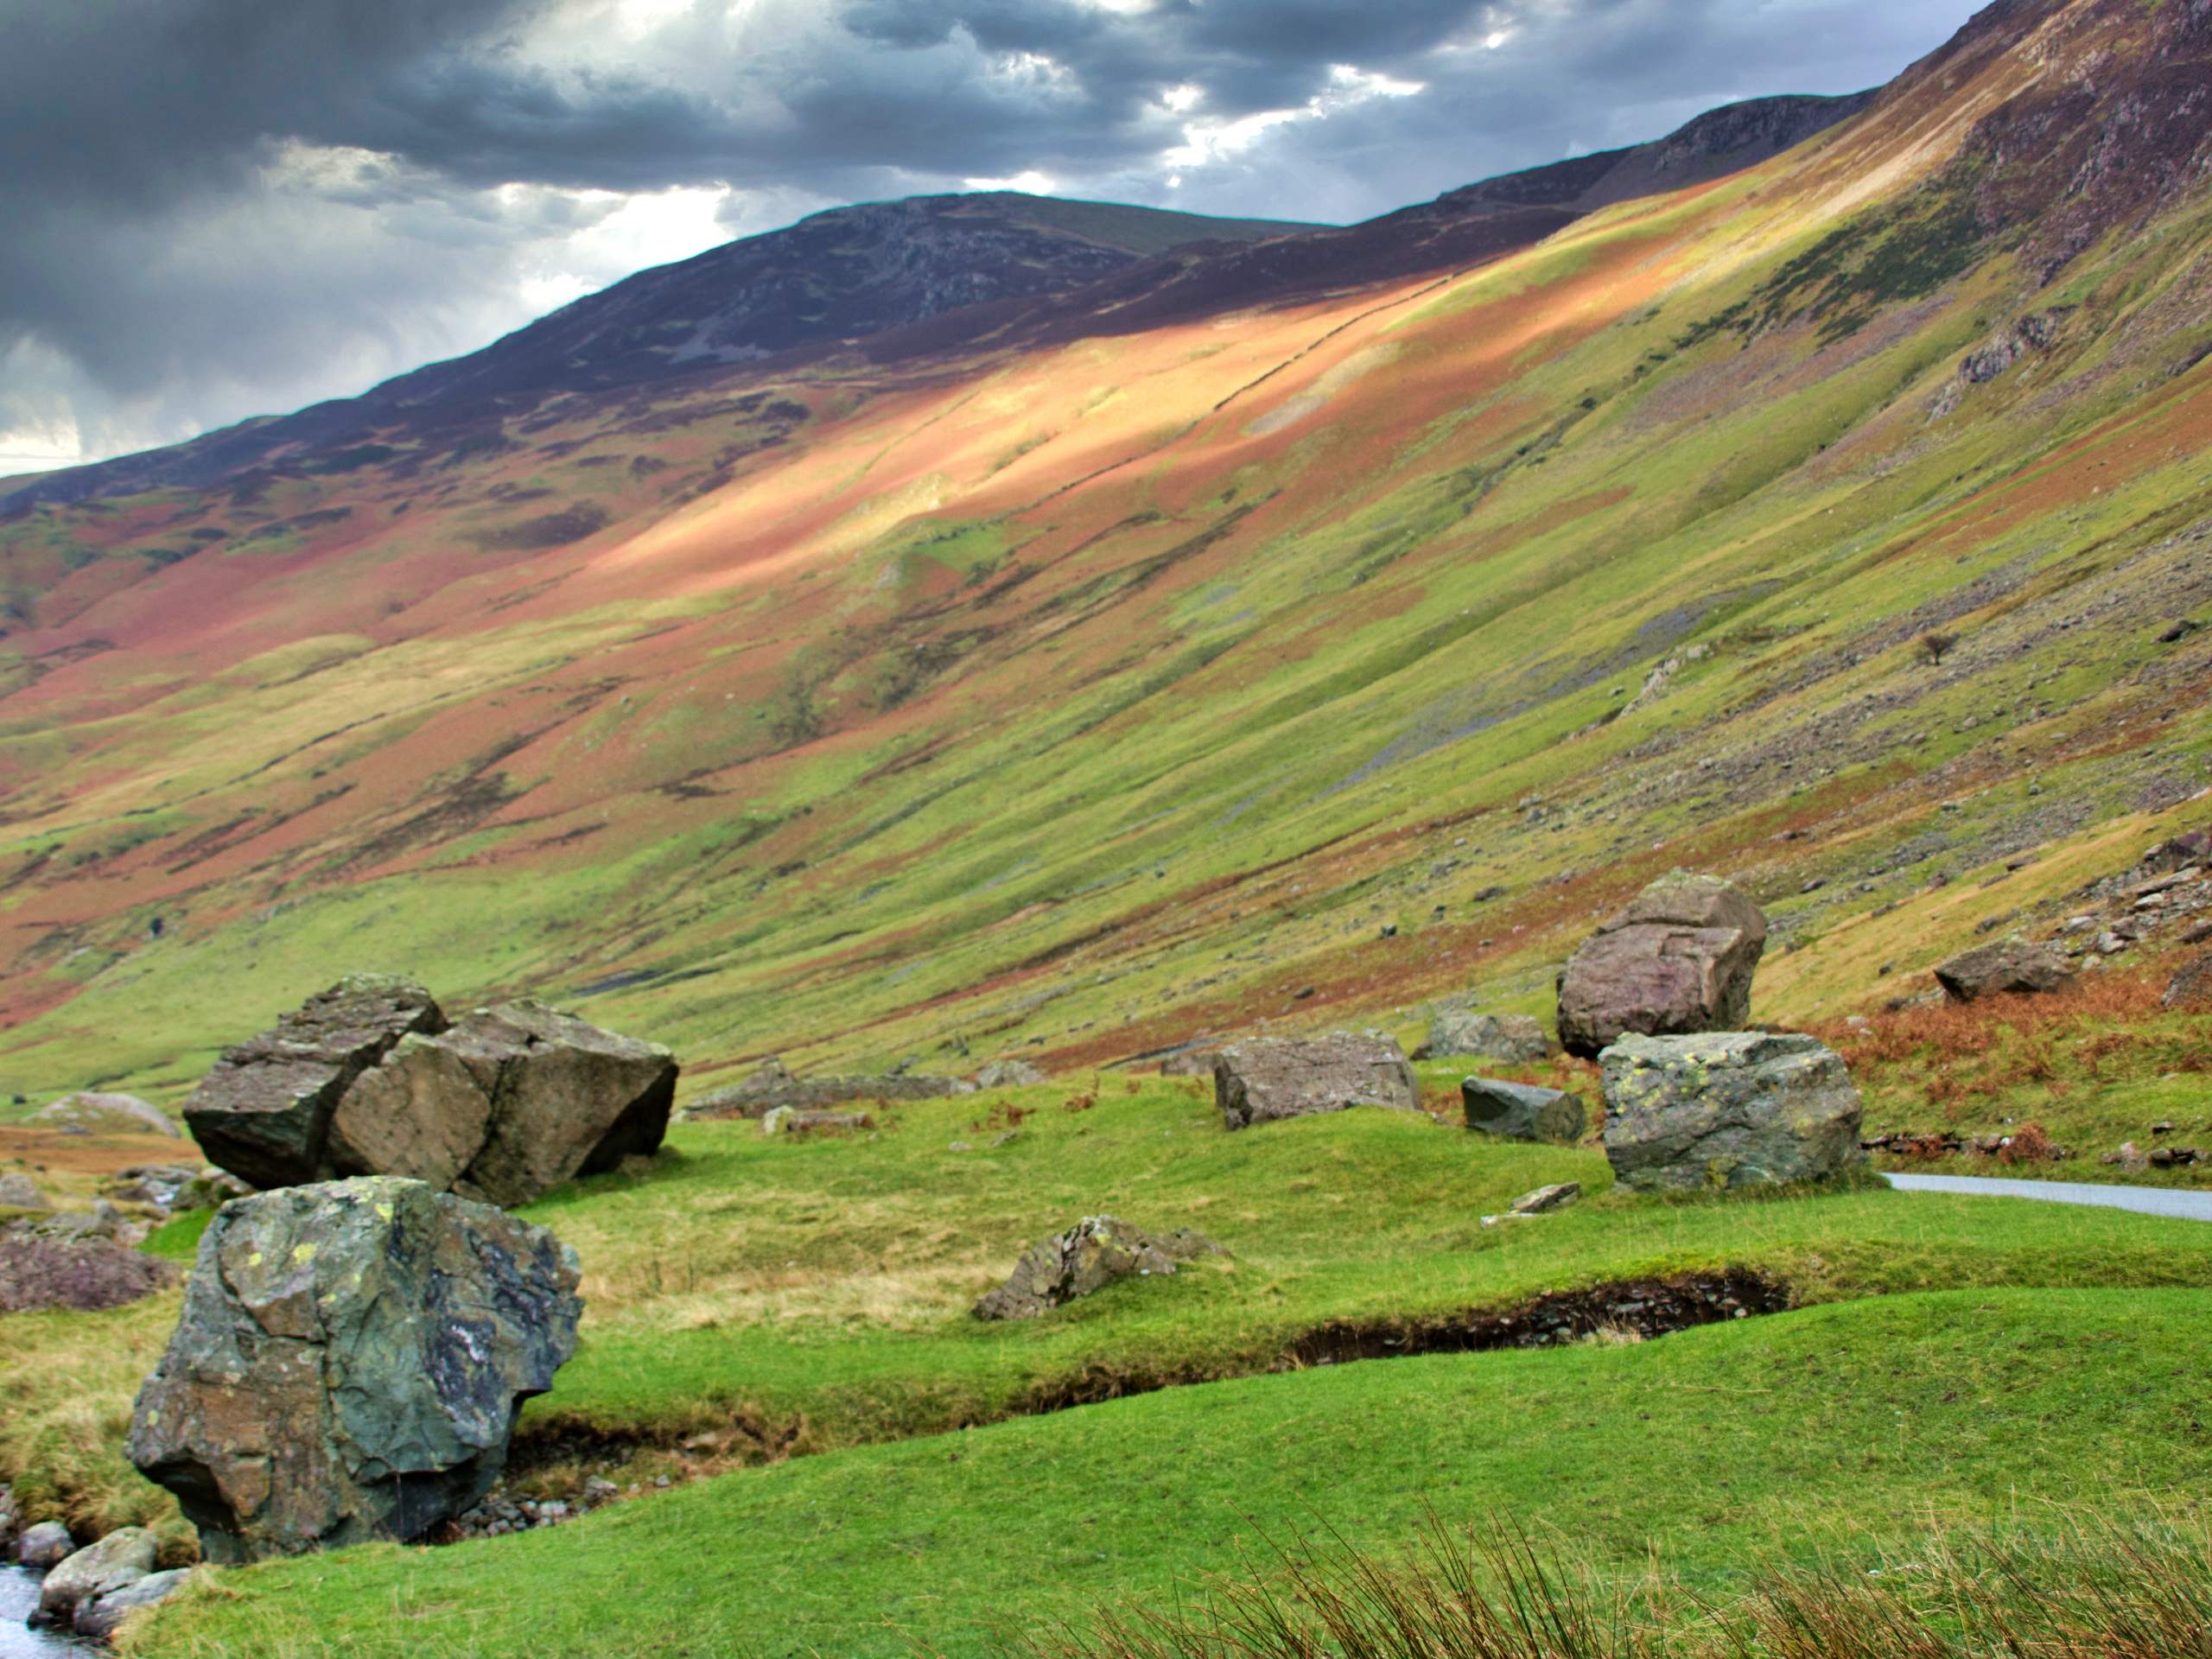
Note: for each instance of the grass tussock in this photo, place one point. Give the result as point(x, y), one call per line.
point(2070, 1587)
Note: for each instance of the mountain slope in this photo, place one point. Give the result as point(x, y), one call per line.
point(1086, 686)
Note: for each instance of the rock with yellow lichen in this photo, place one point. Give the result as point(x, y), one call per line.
point(349, 1362)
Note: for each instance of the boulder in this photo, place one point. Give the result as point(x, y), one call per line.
point(503, 1105)
point(1270, 1078)
point(1457, 1034)
point(263, 1112)
point(19, 1192)
point(2191, 987)
point(99, 1619)
point(348, 1364)
point(1727, 1110)
point(46, 1545)
point(2008, 966)
point(99, 1114)
point(1545, 1199)
point(1093, 1253)
point(1009, 1074)
point(122, 1558)
point(1520, 1111)
point(1679, 959)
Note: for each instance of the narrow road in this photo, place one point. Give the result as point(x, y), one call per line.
point(2149, 1200)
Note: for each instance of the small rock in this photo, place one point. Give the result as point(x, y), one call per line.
point(1096, 1252)
point(46, 1545)
point(1009, 1074)
point(124, 1557)
point(2191, 988)
point(1458, 1031)
point(1545, 1199)
point(1520, 1112)
point(19, 1192)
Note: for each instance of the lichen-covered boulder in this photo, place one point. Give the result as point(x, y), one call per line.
point(1093, 1253)
point(2015, 966)
point(1522, 1111)
point(1270, 1078)
point(263, 1112)
point(1727, 1110)
point(1457, 1034)
point(1680, 958)
point(122, 1558)
point(348, 1365)
point(504, 1104)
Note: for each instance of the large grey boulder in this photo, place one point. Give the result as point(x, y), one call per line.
point(1680, 958)
point(1521, 1111)
point(348, 1365)
point(505, 1103)
point(1270, 1078)
point(1727, 1110)
point(122, 1558)
point(1461, 1034)
point(263, 1112)
point(1009, 1074)
point(2014, 966)
point(1096, 1252)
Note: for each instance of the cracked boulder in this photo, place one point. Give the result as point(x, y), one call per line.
point(1270, 1078)
point(263, 1112)
point(1679, 959)
point(348, 1365)
point(2015, 967)
point(1728, 1110)
point(1096, 1252)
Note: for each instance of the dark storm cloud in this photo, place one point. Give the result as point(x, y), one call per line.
point(220, 207)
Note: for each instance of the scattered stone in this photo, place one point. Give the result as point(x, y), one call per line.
point(2180, 630)
point(1093, 1253)
point(263, 1112)
point(99, 1619)
point(46, 1545)
point(2010, 966)
point(1679, 959)
point(1460, 1032)
point(504, 1105)
point(1727, 1110)
point(349, 1364)
point(2129, 1158)
point(1009, 1074)
point(1520, 1111)
point(122, 1558)
point(1545, 1199)
point(99, 1114)
point(19, 1192)
point(1270, 1078)
point(2191, 987)
point(772, 1084)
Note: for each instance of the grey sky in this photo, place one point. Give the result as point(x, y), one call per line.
point(219, 208)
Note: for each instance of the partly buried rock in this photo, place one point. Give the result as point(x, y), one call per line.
point(263, 1112)
point(1728, 1109)
point(1520, 1111)
point(1009, 1074)
point(1545, 1199)
point(505, 1105)
point(772, 1084)
point(19, 1192)
point(98, 1114)
point(2008, 966)
point(1457, 1034)
point(46, 1545)
point(368, 1078)
point(2192, 987)
point(63, 1262)
point(122, 1558)
point(789, 1120)
point(102, 1616)
point(1680, 958)
point(1093, 1253)
point(1270, 1078)
point(349, 1364)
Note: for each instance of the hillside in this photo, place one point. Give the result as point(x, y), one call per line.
point(1042, 678)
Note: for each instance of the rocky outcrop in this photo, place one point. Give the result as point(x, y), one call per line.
point(264, 1112)
point(1679, 959)
point(772, 1084)
point(1728, 1110)
point(102, 1114)
point(1270, 1078)
point(19, 1192)
point(1009, 1074)
point(1093, 1253)
point(1520, 1111)
point(369, 1078)
point(348, 1364)
point(1459, 1033)
point(119, 1559)
point(2008, 967)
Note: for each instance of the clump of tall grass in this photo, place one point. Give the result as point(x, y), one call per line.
point(2071, 1587)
